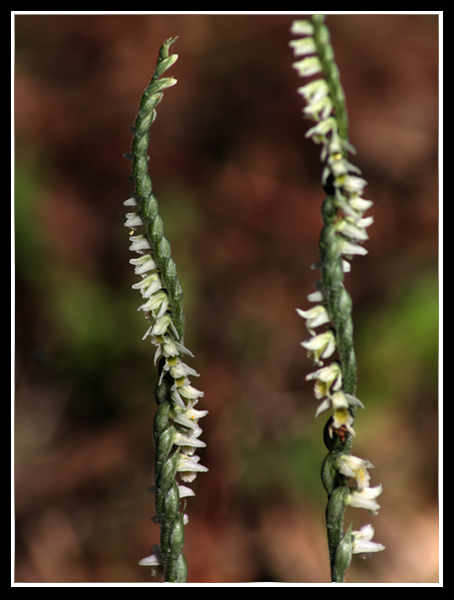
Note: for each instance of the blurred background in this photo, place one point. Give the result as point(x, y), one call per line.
point(239, 189)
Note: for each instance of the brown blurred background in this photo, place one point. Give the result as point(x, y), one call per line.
point(239, 189)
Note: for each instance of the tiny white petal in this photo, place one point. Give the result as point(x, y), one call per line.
point(315, 297)
point(184, 491)
point(323, 406)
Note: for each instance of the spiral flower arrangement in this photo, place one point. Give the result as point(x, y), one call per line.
point(342, 236)
point(176, 423)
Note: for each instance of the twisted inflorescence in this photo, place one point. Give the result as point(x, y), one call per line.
point(176, 429)
point(341, 238)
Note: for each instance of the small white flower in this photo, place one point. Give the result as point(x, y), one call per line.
point(308, 66)
point(131, 202)
point(303, 47)
point(154, 561)
point(319, 110)
point(160, 305)
point(153, 302)
point(188, 391)
point(353, 466)
point(349, 249)
point(320, 346)
point(315, 316)
point(171, 347)
point(189, 417)
point(365, 222)
point(148, 286)
point(326, 377)
point(314, 91)
point(302, 28)
point(351, 230)
point(189, 441)
point(360, 204)
point(177, 368)
point(354, 185)
point(143, 264)
point(365, 498)
point(362, 541)
point(162, 324)
point(133, 220)
point(188, 467)
point(139, 244)
point(339, 401)
point(319, 131)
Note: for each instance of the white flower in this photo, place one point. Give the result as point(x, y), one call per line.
point(354, 185)
point(189, 417)
point(154, 561)
point(133, 220)
point(319, 110)
point(352, 466)
point(360, 204)
point(349, 249)
point(148, 286)
point(157, 305)
point(319, 131)
point(188, 467)
point(308, 66)
point(189, 441)
point(303, 47)
point(302, 28)
point(145, 282)
point(143, 264)
point(139, 244)
point(320, 346)
point(314, 91)
point(365, 498)
point(351, 230)
point(326, 377)
point(362, 543)
point(338, 402)
point(162, 324)
point(179, 369)
point(189, 392)
point(316, 316)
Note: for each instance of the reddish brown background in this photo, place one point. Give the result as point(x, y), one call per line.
point(239, 189)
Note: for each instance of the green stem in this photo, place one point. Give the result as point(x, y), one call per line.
point(167, 501)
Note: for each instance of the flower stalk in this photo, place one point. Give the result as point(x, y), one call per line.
point(176, 429)
point(342, 236)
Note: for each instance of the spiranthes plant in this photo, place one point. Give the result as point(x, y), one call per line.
point(176, 422)
point(342, 236)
